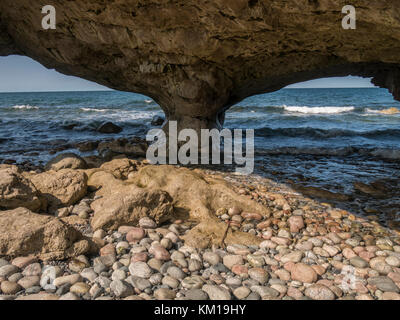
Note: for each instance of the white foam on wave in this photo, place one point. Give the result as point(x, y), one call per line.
point(94, 110)
point(134, 115)
point(317, 110)
point(373, 111)
point(25, 107)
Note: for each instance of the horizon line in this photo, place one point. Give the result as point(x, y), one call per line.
point(107, 90)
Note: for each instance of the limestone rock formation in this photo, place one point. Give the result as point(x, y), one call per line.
point(120, 168)
point(17, 191)
point(23, 232)
point(66, 161)
point(198, 58)
point(168, 193)
point(61, 188)
point(125, 204)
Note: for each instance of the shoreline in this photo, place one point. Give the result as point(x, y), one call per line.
point(312, 175)
point(304, 247)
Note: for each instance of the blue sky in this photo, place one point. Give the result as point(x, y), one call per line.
point(22, 74)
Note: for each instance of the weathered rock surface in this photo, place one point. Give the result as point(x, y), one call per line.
point(149, 192)
point(109, 127)
point(66, 161)
point(23, 232)
point(129, 147)
point(124, 203)
point(61, 188)
point(127, 205)
point(120, 168)
point(196, 59)
point(16, 190)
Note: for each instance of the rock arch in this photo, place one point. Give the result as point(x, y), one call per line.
point(198, 58)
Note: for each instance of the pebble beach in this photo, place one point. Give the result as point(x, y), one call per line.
point(308, 249)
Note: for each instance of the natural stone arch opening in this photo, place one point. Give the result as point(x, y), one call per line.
point(195, 60)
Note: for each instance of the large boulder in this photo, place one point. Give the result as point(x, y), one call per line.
point(66, 161)
point(23, 233)
point(196, 197)
point(16, 190)
point(195, 192)
point(61, 188)
point(109, 127)
point(127, 204)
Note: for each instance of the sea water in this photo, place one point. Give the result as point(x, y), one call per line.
point(325, 137)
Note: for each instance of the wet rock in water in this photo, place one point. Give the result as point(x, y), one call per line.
point(129, 147)
point(23, 232)
point(87, 146)
point(109, 128)
point(157, 121)
point(369, 190)
point(66, 161)
point(62, 188)
point(321, 193)
point(16, 190)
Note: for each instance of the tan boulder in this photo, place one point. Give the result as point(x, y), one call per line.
point(120, 168)
point(128, 204)
point(197, 194)
point(62, 188)
point(211, 232)
point(66, 161)
point(23, 233)
point(196, 197)
point(16, 190)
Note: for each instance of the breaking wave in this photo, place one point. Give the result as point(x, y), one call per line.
point(25, 107)
point(317, 110)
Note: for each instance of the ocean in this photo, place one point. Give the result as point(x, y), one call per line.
point(324, 137)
